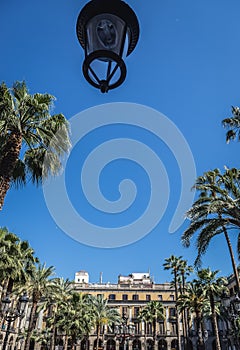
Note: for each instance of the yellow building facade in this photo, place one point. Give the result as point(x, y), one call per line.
point(130, 295)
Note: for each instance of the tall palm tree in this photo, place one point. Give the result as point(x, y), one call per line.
point(173, 263)
point(16, 260)
point(32, 140)
point(153, 312)
point(37, 286)
point(212, 287)
point(216, 210)
point(233, 125)
point(103, 315)
point(9, 265)
point(58, 295)
point(195, 302)
point(74, 318)
point(184, 271)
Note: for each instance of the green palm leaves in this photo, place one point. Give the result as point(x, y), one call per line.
point(201, 298)
point(16, 260)
point(153, 312)
point(32, 141)
point(73, 317)
point(38, 285)
point(103, 315)
point(216, 210)
point(180, 270)
point(233, 125)
point(212, 288)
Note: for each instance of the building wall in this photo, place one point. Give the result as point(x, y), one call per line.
point(129, 296)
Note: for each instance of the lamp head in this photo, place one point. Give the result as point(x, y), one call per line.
point(106, 30)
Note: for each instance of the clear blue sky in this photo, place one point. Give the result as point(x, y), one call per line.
point(186, 66)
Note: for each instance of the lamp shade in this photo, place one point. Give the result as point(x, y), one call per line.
point(106, 30)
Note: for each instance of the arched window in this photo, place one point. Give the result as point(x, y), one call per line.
point(162, 344)
point(100, 344)
point(136, 344)
point(174, 344)
point(149, 328)
point(123, 344)
point(84, 344)
point(150, 344)
point(111, 344)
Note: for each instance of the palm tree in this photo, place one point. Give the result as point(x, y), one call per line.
point(37, 286)
point(216, 210)
point(184, 271)
point(16, 260)
point(195, 302)
point(58, 295)
point(74, 318)
point(103, 315)
point(233, 125)
point(173, 263)
point(9, 265)
point(152, 312)
point(32, 140)
point(212, 287)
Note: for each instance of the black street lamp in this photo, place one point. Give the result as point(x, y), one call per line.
point(124, 331)
point(10, 314)
point(232, 306)
point(107, 30)
point(202, 338)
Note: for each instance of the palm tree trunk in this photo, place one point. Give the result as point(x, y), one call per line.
point(98, 336)
point(234, 266)
point(74, 339)
point(11, 154)
point(184, 330)
point(215, 325)
point(10, 285)
point(184, 315)
point(66, 342)
point(177, 314)
point(31, 325)
point(52, 339)
point(199, 329)
point(154, 334)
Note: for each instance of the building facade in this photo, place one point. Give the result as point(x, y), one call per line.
point(129, 295)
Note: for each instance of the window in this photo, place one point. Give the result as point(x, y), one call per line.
point(149, 328)
point(124, 312)
point(148, 297)
point(174, 329)
point(137, 328)
point(136, 312)
point(112, 297)
point(161, 328)
point(160, 297)
point(171, 297)
point(172, 312)
point(124, 297)
point(135, 297)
